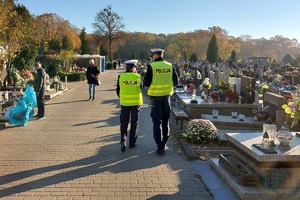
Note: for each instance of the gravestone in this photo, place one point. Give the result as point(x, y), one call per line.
point(221, 77)
point(212, 79)
point(248, 89)
point(275, 111)
point(235, 83)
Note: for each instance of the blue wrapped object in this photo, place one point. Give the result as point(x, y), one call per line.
point(20, 114)
point(30, 97)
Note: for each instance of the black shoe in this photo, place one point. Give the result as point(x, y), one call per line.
point(90, 98)
point(132, 146)
point(93, 98)
point(160, 152)
point(40, 117)
point(123, 146)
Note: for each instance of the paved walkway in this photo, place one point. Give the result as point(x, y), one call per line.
point(74, 153)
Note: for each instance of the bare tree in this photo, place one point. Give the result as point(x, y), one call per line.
point(109, 24)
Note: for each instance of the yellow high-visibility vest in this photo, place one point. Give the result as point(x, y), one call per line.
point(130, 90)
point(162, 82)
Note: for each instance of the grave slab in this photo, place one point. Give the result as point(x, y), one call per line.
point(195, 110)
point(279, 172)
point(225, 121)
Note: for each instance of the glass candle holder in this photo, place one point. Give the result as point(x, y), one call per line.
point(270, 129)
point(215, 113)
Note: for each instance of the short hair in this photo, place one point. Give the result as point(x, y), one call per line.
point(91, 62)
point(37, 64)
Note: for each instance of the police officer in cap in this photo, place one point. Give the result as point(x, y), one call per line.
point(160, 77)
point(129, 91)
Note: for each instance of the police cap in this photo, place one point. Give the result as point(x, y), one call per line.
point(131, 63)
point(157, 51)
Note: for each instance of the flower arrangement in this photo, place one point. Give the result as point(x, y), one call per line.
point(234, 74)
point(263, 88)
point(222, 85)
point(232, 95)
point(286, 82)
point(277, 79)
point(292, 108)
point(214, 94)
point(259, 114)
point(25, 77)
point(191, 86)
point(200, 130)
point(206, 85)
point(27, 74)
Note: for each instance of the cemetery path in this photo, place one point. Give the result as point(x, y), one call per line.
point(74, 153)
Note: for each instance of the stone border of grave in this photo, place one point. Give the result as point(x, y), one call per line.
point(189, 150)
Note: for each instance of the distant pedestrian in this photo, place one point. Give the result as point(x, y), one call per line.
point(160, 77)
point(92, 74)
point(39, 88)
point(129, 91)
point(119, 63)
point(115, 65)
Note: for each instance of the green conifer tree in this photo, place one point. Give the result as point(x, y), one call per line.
point(212, 53)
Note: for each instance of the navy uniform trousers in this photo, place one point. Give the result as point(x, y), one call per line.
point(129, 112)
point(160, 114)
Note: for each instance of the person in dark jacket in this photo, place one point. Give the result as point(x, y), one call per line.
point(129, 91)
point(92, 74)
point(160, 77)
point(39, 88)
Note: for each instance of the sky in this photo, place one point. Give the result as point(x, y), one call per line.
point(257, 18)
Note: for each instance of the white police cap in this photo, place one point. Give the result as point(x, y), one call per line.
point(130, 63)
point(159, 51)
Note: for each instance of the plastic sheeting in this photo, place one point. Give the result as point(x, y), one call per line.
point(20, 114)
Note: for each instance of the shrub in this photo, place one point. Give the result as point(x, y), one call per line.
point(53, 69)
point(46, 60)
point(223, 85)
point(109, 65)
point(199, 130)
point(72, 76)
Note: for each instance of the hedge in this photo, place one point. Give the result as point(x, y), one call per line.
point(72, 76)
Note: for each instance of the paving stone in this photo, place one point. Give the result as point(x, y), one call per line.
point(74, 153)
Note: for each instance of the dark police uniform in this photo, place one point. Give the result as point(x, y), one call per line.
point(161, 77)
point(129, 91)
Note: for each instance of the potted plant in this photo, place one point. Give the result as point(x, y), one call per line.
point(200, 130)
point(204, 87)
point(223, 87)
point(215, 95)
point(232, 96)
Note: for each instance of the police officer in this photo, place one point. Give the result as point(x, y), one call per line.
point(129, 91)
point(160, 77)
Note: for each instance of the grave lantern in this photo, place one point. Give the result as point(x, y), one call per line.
point(270, 128)
point(194, 95)
point(215, 112)
point(234, 114)
point(241, 117)
point(266, 143)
